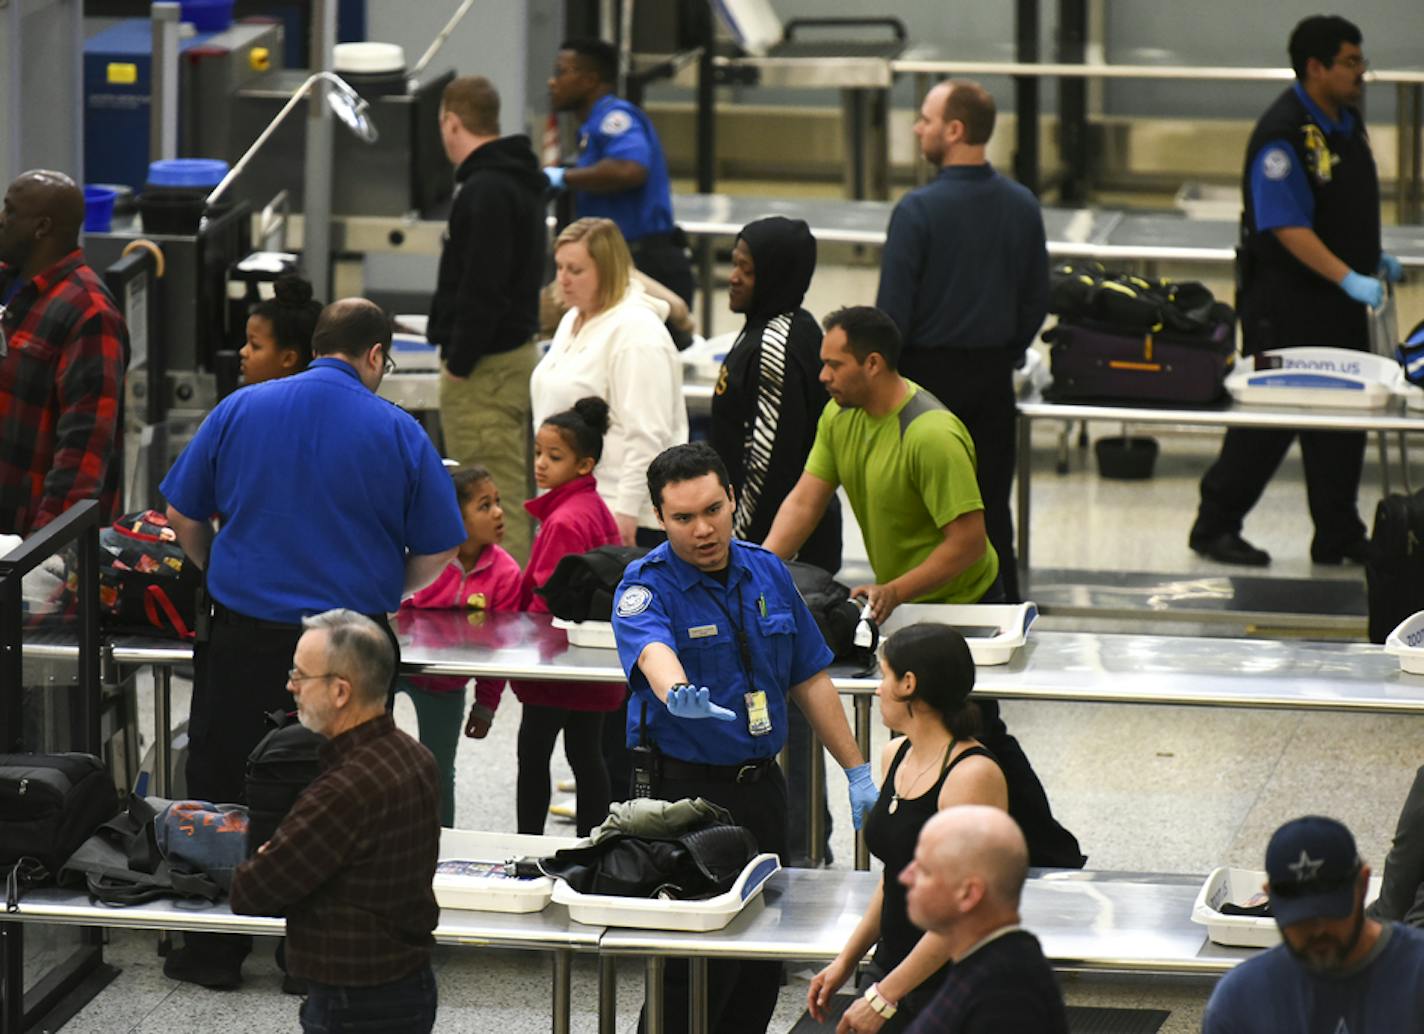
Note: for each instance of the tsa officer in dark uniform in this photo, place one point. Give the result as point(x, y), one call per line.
point(1309, 266)
point(717, 644)
point(621, 173)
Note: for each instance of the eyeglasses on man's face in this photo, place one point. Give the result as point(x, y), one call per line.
point(295, 676)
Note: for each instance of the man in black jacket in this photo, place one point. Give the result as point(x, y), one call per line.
point(485, 312)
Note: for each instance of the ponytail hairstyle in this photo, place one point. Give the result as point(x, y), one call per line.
point(583, 427)
point(292, 312)
point(944, 674)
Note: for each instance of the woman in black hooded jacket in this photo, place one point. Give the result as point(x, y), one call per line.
point(769, 395)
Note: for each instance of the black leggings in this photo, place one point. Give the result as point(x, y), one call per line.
point(583, 746)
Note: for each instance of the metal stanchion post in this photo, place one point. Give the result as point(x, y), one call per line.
point(653, 995)
point(697, 996)
point(815, 791)
point(563, 976)
point(607, 995)
point(862, 737)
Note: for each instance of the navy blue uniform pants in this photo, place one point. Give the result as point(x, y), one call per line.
point(1249, 458)
point(741, 994)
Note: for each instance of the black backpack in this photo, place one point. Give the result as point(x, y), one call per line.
point(146, 581)
point(1394, 563)
point(279, 768)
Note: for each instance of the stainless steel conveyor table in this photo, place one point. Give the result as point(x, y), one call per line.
point(1105, 922)
point(1105, 234)
point(1392, 418)
point(549, 930)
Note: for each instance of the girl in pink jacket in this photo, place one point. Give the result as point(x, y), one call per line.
point(482, 577)
point(572, 519)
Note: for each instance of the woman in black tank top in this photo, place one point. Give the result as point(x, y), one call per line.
point(927, 674)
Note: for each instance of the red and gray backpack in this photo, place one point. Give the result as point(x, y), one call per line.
point(146, 582)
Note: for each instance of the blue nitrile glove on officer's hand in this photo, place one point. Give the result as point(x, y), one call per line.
point(555, 175)
point(863, 793)
point(687, 701)
point(1391, 268)
point(1364, 289)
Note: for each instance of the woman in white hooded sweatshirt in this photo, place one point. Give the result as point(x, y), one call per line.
point(613, 343)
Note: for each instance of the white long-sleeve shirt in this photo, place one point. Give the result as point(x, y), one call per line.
point(624, 356)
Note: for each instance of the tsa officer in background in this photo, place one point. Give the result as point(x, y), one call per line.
point(621, 173)
point(1309, 265)
point(716, 643)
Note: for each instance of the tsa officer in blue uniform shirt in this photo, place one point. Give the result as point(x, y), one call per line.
point(1309, 266)
point(621, 173)
point(715, 638)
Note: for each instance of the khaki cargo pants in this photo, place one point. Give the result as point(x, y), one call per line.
point(486, 420)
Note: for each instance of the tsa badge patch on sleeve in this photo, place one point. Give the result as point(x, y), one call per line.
point(1276, 163)
point(635, 600)
point(615, 123)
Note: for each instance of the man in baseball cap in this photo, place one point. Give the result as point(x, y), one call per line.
point(1337, 970)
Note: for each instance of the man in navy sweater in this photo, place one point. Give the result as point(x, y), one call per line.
point(965, 278)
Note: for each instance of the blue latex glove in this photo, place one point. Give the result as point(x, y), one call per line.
point(863, 793)
point(555, 175)
point(1391, 268)
point(695, 702)
point(1364, 289)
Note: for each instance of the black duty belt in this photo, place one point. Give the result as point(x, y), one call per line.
point(223, 616)
point(747, 772)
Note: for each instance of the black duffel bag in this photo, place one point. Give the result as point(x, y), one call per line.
point(50, 803)
point(1125, 303)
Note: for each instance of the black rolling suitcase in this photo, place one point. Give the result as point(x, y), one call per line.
point(1094, 361)
point(1394, 565)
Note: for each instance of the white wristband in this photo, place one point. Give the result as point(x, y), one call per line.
point(879, 1004)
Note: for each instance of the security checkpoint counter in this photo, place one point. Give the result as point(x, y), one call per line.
point(550, 930)
point(1086, 921)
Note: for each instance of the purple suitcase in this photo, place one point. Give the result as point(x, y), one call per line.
point(1091, 361)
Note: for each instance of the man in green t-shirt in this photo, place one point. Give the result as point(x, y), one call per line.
point(908, 467)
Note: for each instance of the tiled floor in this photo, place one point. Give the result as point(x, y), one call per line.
point(1145, 788)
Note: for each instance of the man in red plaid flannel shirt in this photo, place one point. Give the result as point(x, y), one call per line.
point(63, 365)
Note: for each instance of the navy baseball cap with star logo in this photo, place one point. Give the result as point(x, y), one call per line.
point(1312, 867)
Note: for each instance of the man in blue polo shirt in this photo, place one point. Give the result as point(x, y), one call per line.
point(1309, 265)
point(718, 645)
point(328, 496)
point(621, 173)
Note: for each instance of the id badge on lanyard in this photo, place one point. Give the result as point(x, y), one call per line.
point(758, 713)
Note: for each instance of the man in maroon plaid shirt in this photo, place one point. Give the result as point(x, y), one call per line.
point(63, 367)
point(352, 863)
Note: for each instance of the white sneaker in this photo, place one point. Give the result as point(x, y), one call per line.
point(564, 810)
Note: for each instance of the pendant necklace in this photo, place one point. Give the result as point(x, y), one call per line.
point(896, 797)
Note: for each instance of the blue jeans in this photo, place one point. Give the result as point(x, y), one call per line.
point(405, 1006)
